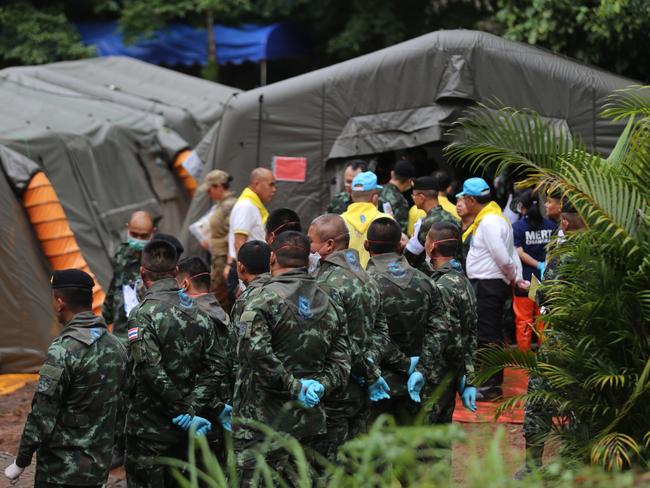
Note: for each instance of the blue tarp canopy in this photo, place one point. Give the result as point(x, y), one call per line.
point(180, 44)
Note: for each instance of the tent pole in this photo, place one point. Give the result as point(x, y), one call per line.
point(263, 69)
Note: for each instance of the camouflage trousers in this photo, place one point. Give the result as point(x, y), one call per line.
point(537, 423)
point(142, 465)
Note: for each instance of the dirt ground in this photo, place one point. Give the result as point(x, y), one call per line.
point(14, 409)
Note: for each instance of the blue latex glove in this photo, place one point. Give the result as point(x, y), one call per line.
point(225, 418)
point(308, 395)
point(541, 266)
point(183, 421)
point(414, 385)
point(469, 398)
point(414, 362)
point(202, 426)
point(379, 390)
point(315, 392)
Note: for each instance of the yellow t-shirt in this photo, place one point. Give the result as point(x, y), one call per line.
point(415, 214)
point(448, 206)
point(358, 218)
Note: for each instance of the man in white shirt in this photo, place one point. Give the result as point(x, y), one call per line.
point(492, 266)
point(249, 214)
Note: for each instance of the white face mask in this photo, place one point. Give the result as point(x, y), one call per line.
point(241, 286)
point(314, 261)
point(428, 259)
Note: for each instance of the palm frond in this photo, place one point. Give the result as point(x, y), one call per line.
point(628, 102)
point(495, 358)
point(615, 451)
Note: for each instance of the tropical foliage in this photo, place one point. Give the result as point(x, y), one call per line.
point(390, 456)
point(595, 361)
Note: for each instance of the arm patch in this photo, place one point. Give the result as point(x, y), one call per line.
point(49, 379)
point(245, 322)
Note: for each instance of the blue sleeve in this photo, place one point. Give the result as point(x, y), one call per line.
point(519, 234)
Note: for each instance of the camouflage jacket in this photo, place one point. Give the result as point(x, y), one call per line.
point(341, 275)
point(175, 364)
point(288, 329)
point(125, 272)
point(72, 421)
point(417, 321)
point(251, 289)
point(436, 214)
point(392, 202)
point(226, 342)
point(460, 306)
point(339, 203)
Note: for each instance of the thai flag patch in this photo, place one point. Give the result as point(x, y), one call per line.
point(133, 333)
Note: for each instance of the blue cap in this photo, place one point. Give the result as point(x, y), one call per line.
point(365, 181)
point(474, 187)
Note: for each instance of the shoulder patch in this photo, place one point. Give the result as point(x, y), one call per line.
point(133, 334)
point(185, 300)
point(352, 260)
point(304, 308)
point(396, 270)
point(49, 379)
point(244, 322)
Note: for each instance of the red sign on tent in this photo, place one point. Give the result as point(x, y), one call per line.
point(290, 169)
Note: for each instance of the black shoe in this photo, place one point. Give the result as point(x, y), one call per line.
point(489, 394)
point(117, 457)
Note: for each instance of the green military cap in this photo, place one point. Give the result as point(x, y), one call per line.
point(71, 278)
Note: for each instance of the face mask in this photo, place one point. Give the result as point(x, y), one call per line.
point(428, 259)
point(314, 260)
point(241, 286)
point(137, 244)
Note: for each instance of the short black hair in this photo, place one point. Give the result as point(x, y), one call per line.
point(292, 249)
point(197, 270)
point(357, 164)
point(443, 179)
point(450, 233)
point(159, 236)
point(384, 235)
point(76, 299)
point(159, 260)
point(255, 256)
point(282, 220)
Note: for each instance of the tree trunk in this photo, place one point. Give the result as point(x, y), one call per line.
point(212, 48)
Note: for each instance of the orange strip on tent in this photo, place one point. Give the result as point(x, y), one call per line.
point(13, 382)
point(51, 226)
point(187, 180)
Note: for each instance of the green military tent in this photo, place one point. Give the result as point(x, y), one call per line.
point(403, 96)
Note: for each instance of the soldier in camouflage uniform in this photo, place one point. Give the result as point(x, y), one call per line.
point(340, 274)
point(391, 199)
point(254, 271)
point(425, 196)
point(340, 201)
point(126, 272)
point(417, 322)
point(73, 412)
point(537, 418)
point(175, 369)
point(442, 243)
point(194, 278)
point(291, 333)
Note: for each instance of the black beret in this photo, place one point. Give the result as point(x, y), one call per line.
point(71, 278)
point(404, 169)
point(425, 183)
point(171, 240)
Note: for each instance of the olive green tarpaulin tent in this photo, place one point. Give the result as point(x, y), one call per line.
point(104, 157)
point(399, 97)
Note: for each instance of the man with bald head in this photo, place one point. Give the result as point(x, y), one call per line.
point(126, 271)
point(339, 272)
point(249, 214)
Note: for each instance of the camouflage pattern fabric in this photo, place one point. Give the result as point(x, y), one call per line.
point(288, 329)
point(125, 272)
point(341, 275)
point(226, 342)
point(460, 305)
point(339, 203)
point(72, 421)
point(251, 289)
point(417, 323)
point(175, 364)
point(392, 202)
point(436, 214)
